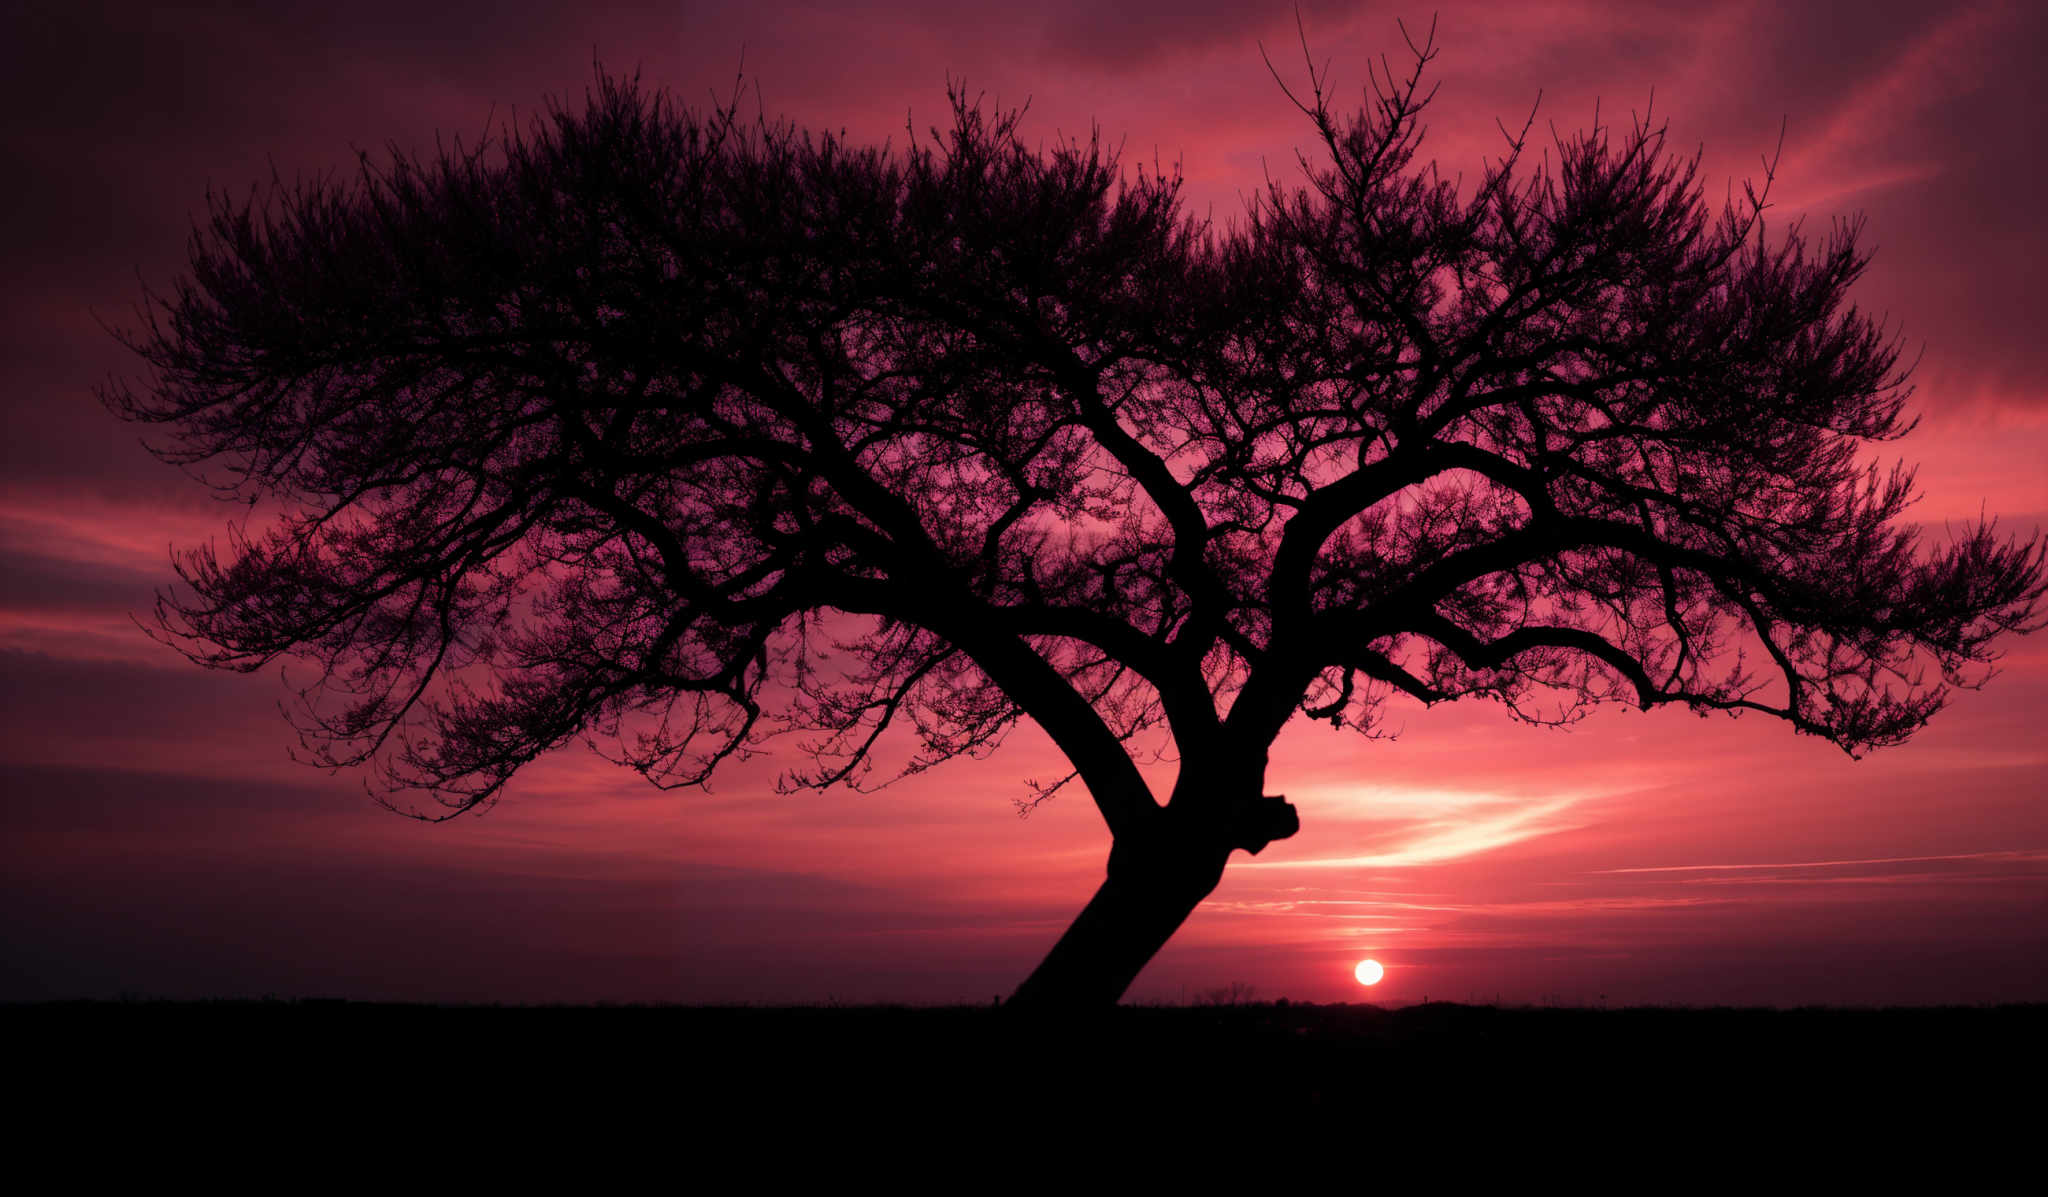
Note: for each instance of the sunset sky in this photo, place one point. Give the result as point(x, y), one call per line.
point(157, 840)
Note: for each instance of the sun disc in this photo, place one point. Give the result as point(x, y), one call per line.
point(1369, 972)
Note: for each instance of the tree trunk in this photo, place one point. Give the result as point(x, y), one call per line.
point(1157, 876)
point(1123, 926)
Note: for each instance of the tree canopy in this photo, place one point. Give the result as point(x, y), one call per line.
point(673, 430)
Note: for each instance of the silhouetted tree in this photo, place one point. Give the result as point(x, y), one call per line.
point(670, 430)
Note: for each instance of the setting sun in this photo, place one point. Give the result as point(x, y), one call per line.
point(1369, 972)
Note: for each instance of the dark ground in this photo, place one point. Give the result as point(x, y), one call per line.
point(310, 1096)
point(291, 1096)
point(1302, 1057)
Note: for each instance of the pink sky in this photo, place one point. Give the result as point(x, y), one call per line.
point(157, 839)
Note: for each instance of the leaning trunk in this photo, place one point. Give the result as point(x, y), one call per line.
point(1123, 926)
point(1158, 874)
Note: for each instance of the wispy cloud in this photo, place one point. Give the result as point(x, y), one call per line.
point(2024, 854)
point(1936, 65)
point(1435, 841)
point(135, 537)
point(1314, 908)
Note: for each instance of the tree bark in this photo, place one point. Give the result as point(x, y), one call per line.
point(1158, 874)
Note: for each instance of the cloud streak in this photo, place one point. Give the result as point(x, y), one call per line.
point(1443, 840)
point(2024, 854)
